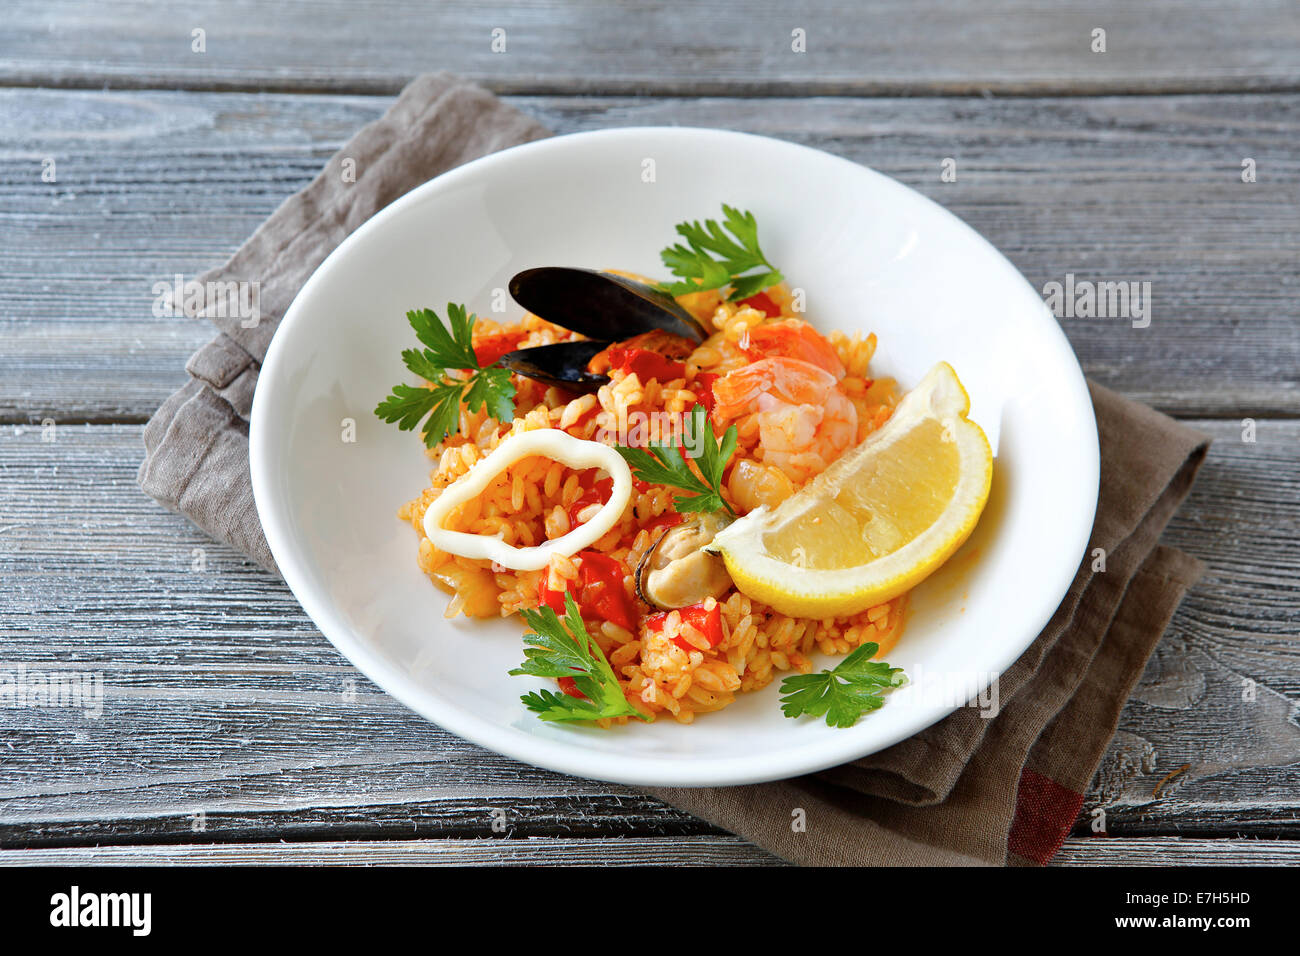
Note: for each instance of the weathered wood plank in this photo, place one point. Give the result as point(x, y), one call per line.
point(221, 697)
point(115, 371)
point(1209, 741)
point(622, 851)
point(1176, 851)
point(1115, 189)
point(564, 46)
point(538, 851)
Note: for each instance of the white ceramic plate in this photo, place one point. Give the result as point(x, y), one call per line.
point(870, 253)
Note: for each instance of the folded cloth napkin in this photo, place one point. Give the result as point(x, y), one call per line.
point(196, 444)
point(972, 788)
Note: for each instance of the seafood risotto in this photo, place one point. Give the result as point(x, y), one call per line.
point(715, 385)
point(793, 418)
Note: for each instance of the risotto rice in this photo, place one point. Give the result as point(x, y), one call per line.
point(664, 663)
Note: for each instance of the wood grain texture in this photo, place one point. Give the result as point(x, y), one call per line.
point(1119, 189)
point(1228, 668)
point(1177, 851)
point(221, 697)
point(565, 46)
point(230, 723)
point(538, 851)
point(621, 851)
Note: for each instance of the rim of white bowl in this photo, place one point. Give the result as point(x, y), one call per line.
point(572, 758)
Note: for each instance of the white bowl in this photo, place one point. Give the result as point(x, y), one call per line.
point(871, 254)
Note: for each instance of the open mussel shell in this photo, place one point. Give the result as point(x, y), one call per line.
point(563, 364)
point(601, 305)
point(679, 570)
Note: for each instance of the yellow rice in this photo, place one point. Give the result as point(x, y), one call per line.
point(529, 503)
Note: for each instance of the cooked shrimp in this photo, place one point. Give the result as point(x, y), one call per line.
point(805, 421)
point(793, 338)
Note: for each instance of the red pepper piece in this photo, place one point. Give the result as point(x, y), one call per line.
point(707, 622)
point(703, 388)
point(490, 348)
point(552, 599)
point(603, 597)
point(669, 519)
point(569, 687)
point(763, 302)
point(665, 346)
point(645, 364)
point(598, 494)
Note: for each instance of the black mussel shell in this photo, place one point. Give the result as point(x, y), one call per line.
point(600, 305)
point(563, 364)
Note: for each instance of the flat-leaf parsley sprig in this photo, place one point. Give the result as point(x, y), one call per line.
point(738, 253)
point(446, 350)
point(844, 693)
point(663, 464)
point(565, 649)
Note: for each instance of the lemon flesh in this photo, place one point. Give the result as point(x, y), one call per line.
point(876, 523)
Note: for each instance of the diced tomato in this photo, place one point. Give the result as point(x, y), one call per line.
point(490, 348)
point(600, 594)
point(603, 596)
point(667, 348)
point(598, 494)
point(707, 622)
point(569, 687)
point(669, 519)
point(703, 388)
point(763, 302)
point(552, 599)
point(645, 364)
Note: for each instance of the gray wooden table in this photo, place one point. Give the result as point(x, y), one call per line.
point(226, 734)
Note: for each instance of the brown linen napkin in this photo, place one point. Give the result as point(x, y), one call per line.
point(968, 790)
point(971, 789)
point(196, 444)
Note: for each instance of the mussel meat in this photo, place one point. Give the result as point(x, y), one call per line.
point(604, 307)
point(678, 570)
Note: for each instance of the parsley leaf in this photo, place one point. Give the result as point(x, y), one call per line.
point(695, 265)
point(663, 464)
point(410, 403)
point(844, 693)
point(491, 386)
point(565, 649)
point(446, 348)
point(452, 348)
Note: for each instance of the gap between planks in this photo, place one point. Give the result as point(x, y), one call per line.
point(616, 89)
point(621, 851)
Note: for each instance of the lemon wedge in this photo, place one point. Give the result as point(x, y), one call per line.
point(879, 520)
